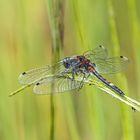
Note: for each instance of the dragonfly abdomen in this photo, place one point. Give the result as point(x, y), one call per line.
point(109, 84)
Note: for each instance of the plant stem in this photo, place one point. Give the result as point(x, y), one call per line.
point(56, 15)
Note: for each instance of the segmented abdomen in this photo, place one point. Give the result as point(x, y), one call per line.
point(109, 84)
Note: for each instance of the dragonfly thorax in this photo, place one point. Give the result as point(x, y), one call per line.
point(83, 60)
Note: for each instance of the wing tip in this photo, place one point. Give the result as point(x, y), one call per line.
point(20, 77)
point(101, 46)
point(37, 84)
point(23, 73)
point(124, 58)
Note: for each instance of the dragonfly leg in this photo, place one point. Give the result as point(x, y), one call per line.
point(73, 73)
point(66, 73)
point(84, 77)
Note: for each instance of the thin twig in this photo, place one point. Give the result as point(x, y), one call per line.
point(123, 98)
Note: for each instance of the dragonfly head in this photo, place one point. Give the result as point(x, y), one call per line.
point(67, 62)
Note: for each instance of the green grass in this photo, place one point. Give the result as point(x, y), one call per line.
point(37, 33)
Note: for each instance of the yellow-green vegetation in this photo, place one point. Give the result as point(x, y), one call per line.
point(37, 33)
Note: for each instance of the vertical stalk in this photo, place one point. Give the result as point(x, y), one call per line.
point(118, 40)
point(56, 15)
point(78, 24)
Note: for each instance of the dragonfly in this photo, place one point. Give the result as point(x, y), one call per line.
point(61, 77)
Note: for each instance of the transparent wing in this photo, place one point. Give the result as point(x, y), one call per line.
point(111, 65)
point(60, 84)
point(36, 74)
point(99, 52)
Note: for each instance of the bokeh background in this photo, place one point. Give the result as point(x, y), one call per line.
point(26, 36)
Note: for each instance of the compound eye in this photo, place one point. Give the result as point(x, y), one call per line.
point(66, 64)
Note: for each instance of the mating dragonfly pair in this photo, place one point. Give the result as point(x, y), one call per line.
point(61, 76)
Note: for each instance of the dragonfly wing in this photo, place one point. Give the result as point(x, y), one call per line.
point(99, 52)
point(55, 84)
point(111, 65)
point(34, 75)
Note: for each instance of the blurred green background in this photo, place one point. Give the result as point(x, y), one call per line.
point(89, 114)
